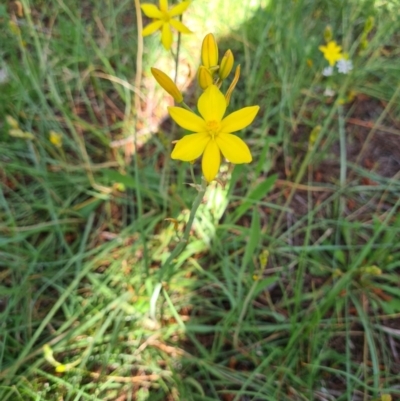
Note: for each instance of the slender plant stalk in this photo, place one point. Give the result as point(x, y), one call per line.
point(177, 250)
point(242, 315)
point(343, 153)
point(138, 84)
point(139, 56)
point(176, 56)
point(343, 158)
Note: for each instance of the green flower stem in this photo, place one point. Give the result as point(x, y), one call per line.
point(185, 106)
point(192, 174)
point(177, 53)
point(343, 156)
point(242, 315)
point(178, 249)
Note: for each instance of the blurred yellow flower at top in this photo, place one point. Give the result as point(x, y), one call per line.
point(55, 138)
point(212, 132)
point(332, 52)
point(164, 19)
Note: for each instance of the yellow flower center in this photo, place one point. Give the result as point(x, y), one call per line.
point(166, 16)
point(213, 128)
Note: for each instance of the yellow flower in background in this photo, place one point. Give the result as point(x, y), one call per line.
point(164, 19)
point(167, 84)
point(212, 132)
point(55, 138)
point(332, 52)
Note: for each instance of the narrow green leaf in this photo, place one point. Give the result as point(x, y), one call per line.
point(260, 191)
point(115, 176)
point(254, 240)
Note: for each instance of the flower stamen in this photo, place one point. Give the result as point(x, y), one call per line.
point(213, 127)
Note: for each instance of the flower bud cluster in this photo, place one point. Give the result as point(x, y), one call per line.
point(210, 72)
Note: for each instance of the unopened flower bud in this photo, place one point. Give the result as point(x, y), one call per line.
point(369, 24)
point(209, 51)
point(204, 77)
point(167, 84)
point(328, 35)
point(232, 86)
point(313, 136)
point(226, 65)
point(55, 138)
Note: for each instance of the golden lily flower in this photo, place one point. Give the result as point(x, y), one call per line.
point(167, 84)
point(212, 132)
point(163, 20)
point(332, 52)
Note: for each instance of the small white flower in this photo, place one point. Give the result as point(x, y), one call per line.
point(327, 71)
point(344, 66)
point(329, 92)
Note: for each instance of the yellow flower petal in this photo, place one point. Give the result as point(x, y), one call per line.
point(211, 161)
point(151, 11)
point(239, 119)
point(233, 148)
point(179, 26)
point(179, 8)
point(187, 120)
point(164, 5)
point(166, 36)
point(151, 28)
point(212, 104)
point(190, 147)
point(209, 51)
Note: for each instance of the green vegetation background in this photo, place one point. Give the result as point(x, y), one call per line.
point(289, 286)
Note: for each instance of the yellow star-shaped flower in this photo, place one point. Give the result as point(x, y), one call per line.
point(164, 19)
point(212, 132)
point(332, 52)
